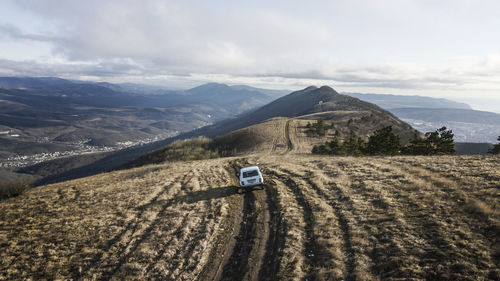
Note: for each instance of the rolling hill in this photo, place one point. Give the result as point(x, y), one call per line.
point(281, 127)
point(314, 103)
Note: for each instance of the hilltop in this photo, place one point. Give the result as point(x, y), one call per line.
point(313, 103)
point(281, 126)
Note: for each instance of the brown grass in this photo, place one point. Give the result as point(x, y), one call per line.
point(337, 218)
point(183, 150)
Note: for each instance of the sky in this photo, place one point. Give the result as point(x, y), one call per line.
point(438, 48)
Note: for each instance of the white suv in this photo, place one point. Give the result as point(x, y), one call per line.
point(250, 176)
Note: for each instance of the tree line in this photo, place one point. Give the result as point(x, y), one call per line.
point(385, 142)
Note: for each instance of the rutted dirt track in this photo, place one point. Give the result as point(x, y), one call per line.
point(323, 218)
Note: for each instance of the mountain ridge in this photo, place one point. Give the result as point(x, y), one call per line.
point(307, 101)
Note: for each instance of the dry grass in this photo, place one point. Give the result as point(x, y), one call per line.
point(182, 150)
point(140, 223)
point(335, 218)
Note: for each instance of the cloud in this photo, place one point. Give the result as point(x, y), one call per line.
point(9, 31)
point(400, 45)
point(180, 36)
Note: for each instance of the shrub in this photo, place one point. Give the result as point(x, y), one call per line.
point(437, 142)
point(383, 142)
point(318, 129)
point(352, 146)
point(14, 188)
point(496, 148)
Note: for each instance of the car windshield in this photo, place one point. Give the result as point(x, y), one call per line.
point(251, 173)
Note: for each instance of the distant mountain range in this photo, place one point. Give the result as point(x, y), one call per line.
point(398, 101)
point(242, 119)
point(46, 115)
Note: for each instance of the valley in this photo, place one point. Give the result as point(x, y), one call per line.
point(46, 118)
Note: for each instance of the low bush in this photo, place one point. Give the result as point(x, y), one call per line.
point(496, 148)
point(14, 188)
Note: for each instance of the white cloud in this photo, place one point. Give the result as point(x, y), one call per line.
point(402, 46)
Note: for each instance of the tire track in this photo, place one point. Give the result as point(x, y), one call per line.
point(237, 265)
point(339, 196)
point(412, 231)
point(150, 269)
point(350, 262)
point(226, 240)
point(246, 259)
point(97, 262)
point(391, 230)
point(276, 240)
point(133, 244)
point(276, 139)
point(311, 247)
point(188, 234)
point(202, 231)
point(263, 231)
point(442, 225)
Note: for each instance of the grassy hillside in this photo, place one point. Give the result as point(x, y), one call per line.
point(330, 218)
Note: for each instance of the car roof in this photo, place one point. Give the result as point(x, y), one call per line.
point(249, 168)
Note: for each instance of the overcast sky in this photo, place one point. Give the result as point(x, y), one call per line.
point(439, 48)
